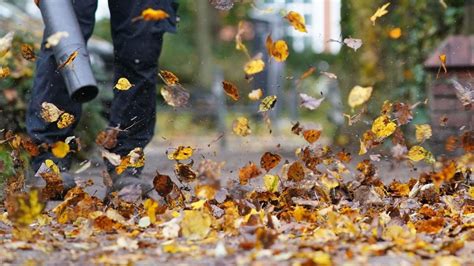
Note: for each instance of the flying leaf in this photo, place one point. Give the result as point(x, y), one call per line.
point(150, 208)
point(442, 59)
point(55, 38)
point(267, 103)
point(383, 126)
point(353, 43)
point(311, 135)
point(4, 72)
point(240, 127)
point(255, 95)
point(60, 149)
point(168, 77)
point(151, 14)
point(296, 20)
point(181, 153)
point(271, 182)
point(239, 45)
point(465, 94)
point(277, 50)
point(163, 184)
point(27, 52)
point(195, 224)
point(417, 153)
point(223, 5)
point(65, 120)
point(248, 172)
point(329, 75)
point(6, 43)
point(185, 172)
point(381, 11)
point(296, 172)
point(310, 102)
point(423, 132)
point(49, 112)
point(175, 95)
point(254, 66)
point(123, 84)
point(269, 160)
point(231, 90)
point(135, 158)
point(68, 60)
point(395, 33)
point(359, 95)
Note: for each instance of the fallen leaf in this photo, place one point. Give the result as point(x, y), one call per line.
point(248, 172)
point(381, 11)
point(195, 224)
point(271, 182)
point(296, 172)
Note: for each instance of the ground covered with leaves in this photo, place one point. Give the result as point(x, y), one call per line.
point(309, 209)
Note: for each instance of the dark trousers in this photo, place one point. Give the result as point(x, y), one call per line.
point(137, 46)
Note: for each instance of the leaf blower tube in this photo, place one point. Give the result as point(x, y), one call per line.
point(59, 15)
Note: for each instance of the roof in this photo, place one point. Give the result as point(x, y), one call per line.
point(459, 50)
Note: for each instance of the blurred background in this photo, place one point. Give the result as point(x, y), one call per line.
point(203, 53)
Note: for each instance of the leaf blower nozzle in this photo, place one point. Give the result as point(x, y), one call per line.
point(59, 16)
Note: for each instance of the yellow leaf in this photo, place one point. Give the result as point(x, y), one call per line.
point(277, 50)
point(271, 182)
point(395, 33)
point(267, 103)
point(181, 153)
point(254, 66)
point(198, 204)
point(154, 14)
point(255, 95)
point(238, 39)
point(123, 84)
point(51, 165)
point(381, 11)
point(423, 132)
point(195, 224)
point(359, 95)
point(28, 209)
point(471, 192)
point(65, 120)
point(49, 112)
point(383, 127)
point(150, 207)
point(296, 20)
point(442, 59)
point(168, 77)
point(241, 127)
point(417, 153)
point(363, 148)
point(60, 149)
point(4, 72)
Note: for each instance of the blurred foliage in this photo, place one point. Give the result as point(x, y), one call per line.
point(394, 66)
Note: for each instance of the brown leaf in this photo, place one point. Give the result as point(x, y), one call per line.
point(163, 184)
point(185, 172)
point(311, 135)
point(248, 172)
point(231, 90)
point(296, 172)
point(269, 160)
point(107, 138)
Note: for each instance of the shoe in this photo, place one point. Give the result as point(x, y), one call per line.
point(36, 181)
point(129, 186)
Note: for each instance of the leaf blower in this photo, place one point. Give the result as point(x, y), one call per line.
point(71, 52)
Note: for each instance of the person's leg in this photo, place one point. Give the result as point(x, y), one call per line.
point(137, 47)
point(49, 86)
